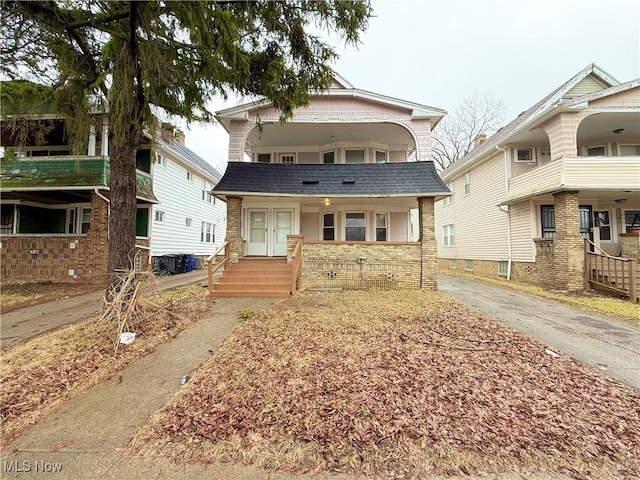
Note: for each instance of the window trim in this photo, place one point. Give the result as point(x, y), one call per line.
point(288, 154)
point(516, 159)
point(611, 223)
point(189, 176)
point(324, 152)
point(624, 217)
point(539, 156)
point(620, 145)
point(188, 222)
point(161, 214)
point(375, 155)
point(334, 227)
point(468, 265)
point(256, 157)
point(448, 200)
point(467, 183)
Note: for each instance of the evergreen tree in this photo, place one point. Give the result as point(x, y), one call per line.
point(171, 57)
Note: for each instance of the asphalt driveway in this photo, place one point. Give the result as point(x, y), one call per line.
point(605, 344)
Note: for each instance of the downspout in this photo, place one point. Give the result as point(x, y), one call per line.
point(506, 189)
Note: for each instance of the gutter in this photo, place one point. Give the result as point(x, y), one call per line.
point(507, 211)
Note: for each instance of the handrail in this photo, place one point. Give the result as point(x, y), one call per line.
point(587, 241)
point(211, 269)
point(296, 257)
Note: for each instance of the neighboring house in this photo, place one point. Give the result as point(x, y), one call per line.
point(336, 181)
point(565, 170)
point(55, 205)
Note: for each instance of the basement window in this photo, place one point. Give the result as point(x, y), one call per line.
point(502, 268)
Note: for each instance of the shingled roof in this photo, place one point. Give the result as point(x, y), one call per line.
point(368, 180)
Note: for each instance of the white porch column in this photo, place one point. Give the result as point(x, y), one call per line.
point(91, 148)
point(104, 145)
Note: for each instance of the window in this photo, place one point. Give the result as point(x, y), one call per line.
point(381, 227)
point(629, 150)
point(187, 222)
point(448, 200)
point(85, 220)
point(453, 263)
point(40, 220)
point(71, 220)
point(354, 156)
point(287, 158)
point(467, 183)
point(548, 219)
point(329, 157)
point(159, 216)
point(381, 156)
point(631, 219)
point(544, 156)
point(602, 219)
point(161, 161)
point(328, 226)
point(208, 197)
point(596, 151)
point(354, 229)
point(189, 175)
point(143, 160)
point(468, 265)
point(208, 232)
point(142, 222)
point(448, 235)
point(502, 268)
point(525, 155)
point(263, 158)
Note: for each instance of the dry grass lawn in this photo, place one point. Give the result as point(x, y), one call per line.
point(41, 374)
point(14, 296)
point(399, 385)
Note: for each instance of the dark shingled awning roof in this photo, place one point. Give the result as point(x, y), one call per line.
point(408, 179)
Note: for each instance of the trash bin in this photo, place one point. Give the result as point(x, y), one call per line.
point(197, 264)
point(190, 259)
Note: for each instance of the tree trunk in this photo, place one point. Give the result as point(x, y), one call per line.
point(122, 220)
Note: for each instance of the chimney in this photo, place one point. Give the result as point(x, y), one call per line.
point(480, 139)
point(166, 132)
point(179, 136)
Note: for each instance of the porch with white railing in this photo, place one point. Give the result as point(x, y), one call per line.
point(616, 275)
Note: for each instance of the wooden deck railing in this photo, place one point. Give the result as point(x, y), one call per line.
point(617, 274)
point(296, 257)
point(212, 267)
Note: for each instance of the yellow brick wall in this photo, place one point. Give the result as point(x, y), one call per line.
point(359, 265)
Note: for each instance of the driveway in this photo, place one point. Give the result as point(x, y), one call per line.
point(605, 344)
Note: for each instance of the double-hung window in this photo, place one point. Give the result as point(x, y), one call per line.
point(548, 220)
point(448, 200)
point(448, 235)
point(467, 183)
point(207, 232)
point(355, 226)
point(381, 227)
point(602, 220)
point(329, 226)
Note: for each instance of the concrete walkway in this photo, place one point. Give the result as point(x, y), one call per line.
point(31, 321)
point(610, 346)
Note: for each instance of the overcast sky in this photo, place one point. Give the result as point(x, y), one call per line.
point(439, 52)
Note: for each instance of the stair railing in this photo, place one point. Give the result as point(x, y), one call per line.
point(296, 259)
point(213, 267)
point(614, 273)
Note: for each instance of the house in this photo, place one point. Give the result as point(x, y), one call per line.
point(55, 204)
point(552, 192)
point(324, 200)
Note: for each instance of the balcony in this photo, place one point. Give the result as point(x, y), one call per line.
point(65, 173)
point(576, 173)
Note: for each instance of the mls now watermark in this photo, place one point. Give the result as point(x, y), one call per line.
point(24, 466)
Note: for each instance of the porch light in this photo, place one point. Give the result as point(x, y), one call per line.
point(327, 202)
point(620, 200)
point(618, 131)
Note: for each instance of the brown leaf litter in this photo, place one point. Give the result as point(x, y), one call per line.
point(396, 384)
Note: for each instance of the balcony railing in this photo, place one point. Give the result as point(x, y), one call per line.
point(64, 172)
point(579, 173)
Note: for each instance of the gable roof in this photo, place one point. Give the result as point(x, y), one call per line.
point(364, 180)
point(241, 112)
point(558, 96)
point(190, 157)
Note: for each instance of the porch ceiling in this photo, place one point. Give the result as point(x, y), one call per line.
point(313, 134)
point(306, 203)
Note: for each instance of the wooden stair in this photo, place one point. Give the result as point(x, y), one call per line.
point(255, 277)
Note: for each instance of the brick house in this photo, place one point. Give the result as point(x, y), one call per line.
point(55, 205)
point(551, 198)
point(329, 194)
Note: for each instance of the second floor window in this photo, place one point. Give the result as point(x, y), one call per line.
point(467, 183)
point(354, 156)
point(448, 200)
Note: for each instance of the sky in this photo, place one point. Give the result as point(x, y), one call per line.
point(439, 52)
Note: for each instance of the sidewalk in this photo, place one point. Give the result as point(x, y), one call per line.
point(31, 321)
point(610, 346)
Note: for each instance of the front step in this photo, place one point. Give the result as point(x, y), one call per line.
point(255, 277)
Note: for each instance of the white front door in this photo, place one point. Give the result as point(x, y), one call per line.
point(283, 226)
point(257, 244)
